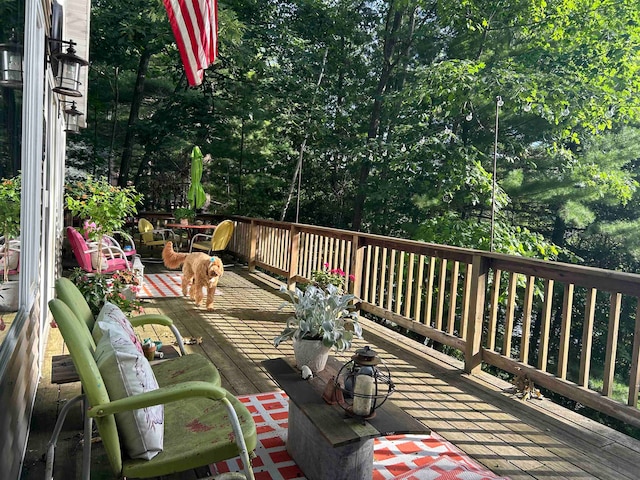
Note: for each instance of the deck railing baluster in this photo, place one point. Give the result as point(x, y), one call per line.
point(587, 337)
point(453, 297)
point(392, 283)
point(526, 319)
point(565, 330)
point(615, 302)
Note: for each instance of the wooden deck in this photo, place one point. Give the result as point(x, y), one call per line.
point(513, 438)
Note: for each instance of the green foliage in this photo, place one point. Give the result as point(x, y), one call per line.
point(106, 205)
point(184, 213)
point(112, 287)
point(10, 207)
point(9, 216)
point(320, 314)
point(450, 229)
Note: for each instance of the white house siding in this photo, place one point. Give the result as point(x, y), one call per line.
point(43, 154)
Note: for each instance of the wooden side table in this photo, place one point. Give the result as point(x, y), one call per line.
point(325, 442)
point(64, 371)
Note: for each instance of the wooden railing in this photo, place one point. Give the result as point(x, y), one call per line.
point(528, 317)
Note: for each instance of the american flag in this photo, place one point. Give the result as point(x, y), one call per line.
point(195, 27)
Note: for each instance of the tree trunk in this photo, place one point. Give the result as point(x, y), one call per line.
point(393, 22)
point(138, 94)
point(114, 125)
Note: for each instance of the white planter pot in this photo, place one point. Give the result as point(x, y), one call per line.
point(311, 353)
point(9, 296)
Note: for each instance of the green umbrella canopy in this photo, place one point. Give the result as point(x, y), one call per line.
point(196, 193)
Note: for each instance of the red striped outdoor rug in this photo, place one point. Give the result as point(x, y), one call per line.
point(159, 285)
point(409, 457)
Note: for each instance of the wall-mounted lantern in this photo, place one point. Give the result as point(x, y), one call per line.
point(71, 117)
point(69, 68)
point(11, 63)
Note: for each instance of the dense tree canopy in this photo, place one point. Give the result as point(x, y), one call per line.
point(399, 115)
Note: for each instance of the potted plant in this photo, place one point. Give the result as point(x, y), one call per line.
point(322, 320)
point(10, 230)
point(103, 205)
point(184, 215)
point(330, 276)
point(119, 288)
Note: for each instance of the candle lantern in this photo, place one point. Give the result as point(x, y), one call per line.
point(364, 383)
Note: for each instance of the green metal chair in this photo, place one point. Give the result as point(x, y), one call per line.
point(216, 242)
point(196, 366)
point(189, 390)
point(154, 237)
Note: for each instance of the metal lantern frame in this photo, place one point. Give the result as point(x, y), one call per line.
point(367, 367)
point(69, 68)
point(11, 60)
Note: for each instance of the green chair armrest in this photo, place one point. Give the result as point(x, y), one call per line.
point(151, 318)
point(160, 396)
point(158, 319)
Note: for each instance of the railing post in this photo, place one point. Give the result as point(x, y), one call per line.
point(355, 267)
point(253, 245)
point(473, 347)
point(294, 253)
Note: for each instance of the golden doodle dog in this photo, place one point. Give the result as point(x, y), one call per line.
point(199, 269)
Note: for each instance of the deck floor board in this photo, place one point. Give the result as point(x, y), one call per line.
point(521, 440)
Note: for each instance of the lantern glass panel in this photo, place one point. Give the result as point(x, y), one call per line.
point(10, 65)
point(69, 79)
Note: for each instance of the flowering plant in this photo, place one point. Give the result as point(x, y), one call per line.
point(329, 276)
point(119, 288)
point(106, 206)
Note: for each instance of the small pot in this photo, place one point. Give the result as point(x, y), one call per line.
point(149, 350)
point(311, 353)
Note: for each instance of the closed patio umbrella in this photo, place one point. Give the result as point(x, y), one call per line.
point(196, 195)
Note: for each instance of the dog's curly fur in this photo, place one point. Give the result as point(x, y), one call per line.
point(199, 269)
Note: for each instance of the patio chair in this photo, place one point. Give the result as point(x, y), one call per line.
point(124, 241)
point(154, 237)
point(203, 423)
point(213, 243)
point(113, 257)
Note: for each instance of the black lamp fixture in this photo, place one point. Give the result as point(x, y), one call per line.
point(69, 68)
point(71, 117)
point(11, 63)
point(362, 385)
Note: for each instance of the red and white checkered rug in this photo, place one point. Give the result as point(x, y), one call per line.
point(409, 457)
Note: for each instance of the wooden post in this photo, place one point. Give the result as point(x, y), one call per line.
point(253, 241)
point(473, 347)
point(294, 253)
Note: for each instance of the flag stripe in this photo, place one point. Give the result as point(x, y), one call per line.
point(195, 28)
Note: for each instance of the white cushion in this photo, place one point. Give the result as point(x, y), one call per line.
point(126, 372)
point(112, 317)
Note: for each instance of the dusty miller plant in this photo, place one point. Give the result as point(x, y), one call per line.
point(320, 314)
